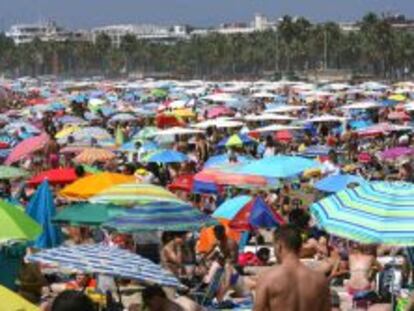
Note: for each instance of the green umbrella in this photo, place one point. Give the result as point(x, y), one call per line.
point(9, 172)
point(16, 225)
point(88, 214)
point(91, 169)
point(146, 133)
point(160, 93)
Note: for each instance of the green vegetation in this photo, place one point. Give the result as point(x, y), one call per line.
point(298, 45)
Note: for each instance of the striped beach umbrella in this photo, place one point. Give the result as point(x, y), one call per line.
point(160, 216)
point(376, 212)
point(133, 193)
point(91, 155)
point(106, 260)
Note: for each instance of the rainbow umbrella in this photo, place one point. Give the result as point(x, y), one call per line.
point(133, 193)
point(27, 147)
point(373, 213)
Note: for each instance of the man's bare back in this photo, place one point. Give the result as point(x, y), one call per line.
point(292, 287)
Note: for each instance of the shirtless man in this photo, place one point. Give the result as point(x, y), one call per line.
point(291, 286)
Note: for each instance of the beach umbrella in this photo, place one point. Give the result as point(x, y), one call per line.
point(145, 133)
point(16, 225)
point(159, 93)
point(277, 166)
point(207, 240)
point(130, 194)
point(167, 156)
point(223, 159)
point(27, 147)
point(106, 260)
point(14, 301)
point(87, 214)
point(57, 176)
point(335, 183)
point(315, 151)
point(87, 133)
point(66, 131)
point(255, 214)
point(42, 209)
point(395, 153)
point(122, 117)
point(10, 172)
point(373, 213)
point(68, 119)
point(160, 216)
point(182, 183)
point(88, 186)
point(219, 111)
point(92, 155)
point(219, 176)
point(229, 208)
point(236, 140)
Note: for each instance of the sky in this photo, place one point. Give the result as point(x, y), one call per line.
point(85, 14)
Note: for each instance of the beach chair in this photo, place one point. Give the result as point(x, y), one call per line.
point(205, 298)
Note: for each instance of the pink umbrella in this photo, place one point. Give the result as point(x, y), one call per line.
point(399, 115)
point(27, 147)
point(394, 153)
point(219, 111)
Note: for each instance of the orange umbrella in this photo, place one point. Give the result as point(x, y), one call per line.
point(91, 155)
point(88, 186)
point(207, 239)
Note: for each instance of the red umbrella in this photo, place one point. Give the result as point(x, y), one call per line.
point(256, 214)
point(36, 101)
point(182, 183)
point(168, 120)
point(27, 147)
point(58, 176)
point(283, 136)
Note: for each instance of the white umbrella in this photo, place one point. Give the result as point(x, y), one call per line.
point(268, 117)
point(277, 127)
point(177, 131)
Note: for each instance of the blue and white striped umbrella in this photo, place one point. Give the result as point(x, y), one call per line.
point(106, 260)
point(373, 213)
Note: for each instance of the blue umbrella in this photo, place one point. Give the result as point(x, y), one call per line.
point(221, 159)
point(164, 216)
point(106, 260)
point(318, 150)
point(277, 166)
point(335, 183)
point(168, 156)
point(42, 209)
point(231, 207)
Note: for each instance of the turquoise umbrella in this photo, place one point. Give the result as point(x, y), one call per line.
point(373, 213)
point(277, 166)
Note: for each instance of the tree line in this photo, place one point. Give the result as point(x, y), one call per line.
point(297, 45)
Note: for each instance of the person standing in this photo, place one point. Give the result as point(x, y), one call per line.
point(291, 286)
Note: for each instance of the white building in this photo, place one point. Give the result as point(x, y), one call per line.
point(26, 33)
point(145, 32)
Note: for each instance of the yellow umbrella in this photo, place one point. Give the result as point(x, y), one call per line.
point(91, 155)
point(11, 301)
point(184, 113)
point(397, 97)
point(88, 186)
point(66, 131)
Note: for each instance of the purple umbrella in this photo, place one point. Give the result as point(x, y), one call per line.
point(394, 153)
